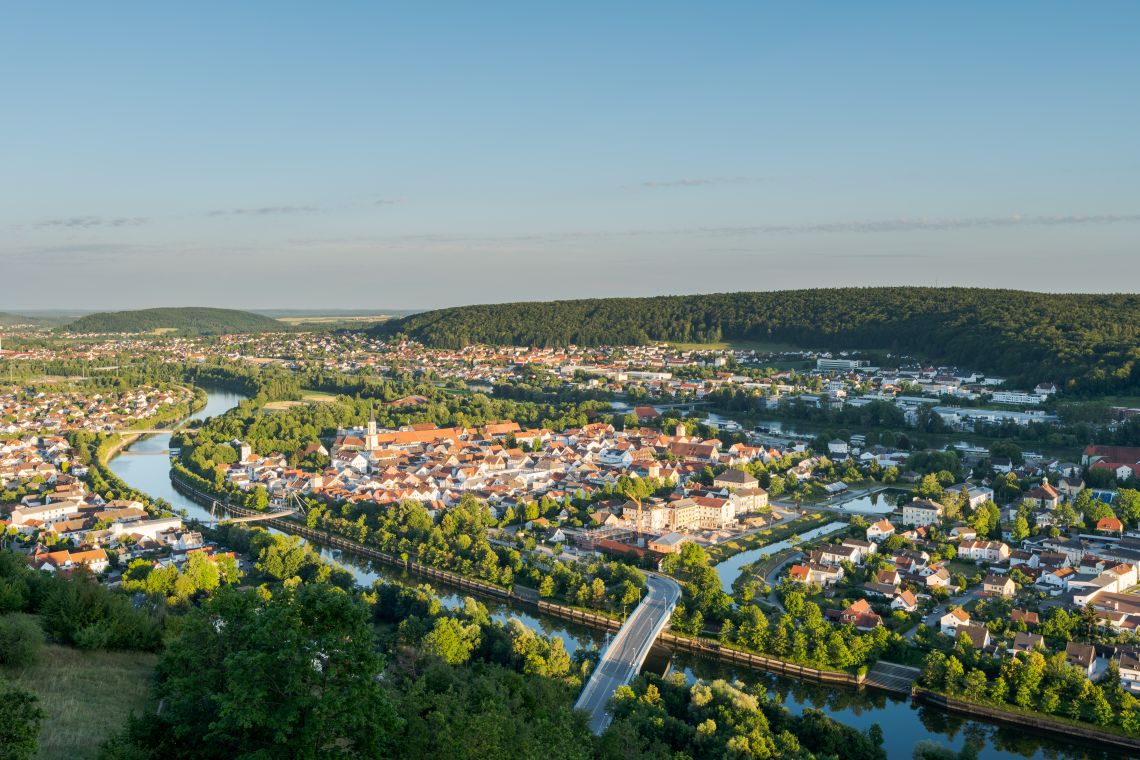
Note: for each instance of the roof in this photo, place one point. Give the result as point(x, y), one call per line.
point(978, 635)
point(1109, 523)
point(736, 476)
point(960, 614)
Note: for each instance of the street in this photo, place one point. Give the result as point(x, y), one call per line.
point(622, 658)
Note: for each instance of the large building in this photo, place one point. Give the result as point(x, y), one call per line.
point(839, 365)
point(922, 512)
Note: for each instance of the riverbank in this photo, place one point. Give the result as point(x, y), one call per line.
point(701, 647)
point(125, 437)
point(1049, 723)
point(907, 721)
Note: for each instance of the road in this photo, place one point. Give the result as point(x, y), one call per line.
point(624, 655)
point(936, 614)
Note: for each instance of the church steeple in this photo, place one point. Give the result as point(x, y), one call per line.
point(370, 441)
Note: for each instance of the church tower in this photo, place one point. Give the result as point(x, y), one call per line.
point(370, 441)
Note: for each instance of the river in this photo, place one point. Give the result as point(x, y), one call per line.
point(731, 568)
point(145, 465)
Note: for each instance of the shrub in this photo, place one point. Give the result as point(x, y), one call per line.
point(20, 640)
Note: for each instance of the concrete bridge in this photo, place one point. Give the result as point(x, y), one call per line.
point(625, 654)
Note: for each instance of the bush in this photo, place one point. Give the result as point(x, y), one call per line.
point(20, 719)
point(20, 640)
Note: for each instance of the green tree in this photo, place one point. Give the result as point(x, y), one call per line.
point(546, 587)
point(20, 640)
point(295, 675)
point(20, 719)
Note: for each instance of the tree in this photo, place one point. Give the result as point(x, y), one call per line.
point(451, 641)
point(955, 673)
point(975, 684)
point(930, 488)
point(546, 587)
point(1128, 505)
point(1020, 528)
point(598, 592)
point(293, 674)
point(20, 719)
point(20, 640)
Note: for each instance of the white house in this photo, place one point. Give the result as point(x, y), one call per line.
point(954, 619)
point(922, 512)
point(880, 530)
point(987, 551)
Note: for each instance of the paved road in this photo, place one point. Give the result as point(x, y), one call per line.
point(623, 657)
point(931, 620)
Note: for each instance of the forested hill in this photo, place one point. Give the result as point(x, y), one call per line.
point(9, 320)
point(194, 320)
point(1091, 343)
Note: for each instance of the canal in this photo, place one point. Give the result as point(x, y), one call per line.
point(145, 465)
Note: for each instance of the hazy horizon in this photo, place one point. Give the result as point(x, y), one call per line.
point(384, 311)
point(270, 156)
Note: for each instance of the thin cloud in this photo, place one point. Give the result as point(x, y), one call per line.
point(697, 182)
point(907, 224)
point(857, 226)
point(90, 222)
point(265, 211)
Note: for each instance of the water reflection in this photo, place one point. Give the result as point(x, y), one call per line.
point(904, 724)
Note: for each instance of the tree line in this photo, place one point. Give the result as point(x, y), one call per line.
point(1088, 344)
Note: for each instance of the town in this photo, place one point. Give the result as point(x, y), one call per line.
point(943, 568)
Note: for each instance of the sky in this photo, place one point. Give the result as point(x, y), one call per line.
point(373, 155)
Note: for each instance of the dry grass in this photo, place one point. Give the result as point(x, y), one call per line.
point(334, 319)
point(87, 696)
point(309, 397)
point(277, 405)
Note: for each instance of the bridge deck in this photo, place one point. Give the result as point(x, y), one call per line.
point(257, 517)
point(626, 652)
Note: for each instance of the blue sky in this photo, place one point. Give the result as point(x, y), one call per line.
point(411, 155)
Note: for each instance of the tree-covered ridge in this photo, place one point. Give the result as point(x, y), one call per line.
point(1088, 342)
point(8, 319)
point(195, 320)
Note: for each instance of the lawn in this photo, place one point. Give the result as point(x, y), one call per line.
point(86, 695)
point(721, 552)
point(308, 397)
point(762, 347)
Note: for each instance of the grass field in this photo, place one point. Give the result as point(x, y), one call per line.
point(309, 397)
point(332, 320)
point(87, 696)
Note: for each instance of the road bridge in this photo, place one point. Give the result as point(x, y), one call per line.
point(625, 654)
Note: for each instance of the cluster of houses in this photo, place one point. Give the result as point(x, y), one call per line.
point(60, 512)
point(29, 412)
point(1122, 461)
point(34, 457)
point(907, 574)
point(508, 466)
point(1090, 659)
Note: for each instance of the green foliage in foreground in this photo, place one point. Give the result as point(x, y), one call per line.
point(20, 719)
point(1088, 343)
point(76, 610)
point(668, 718)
